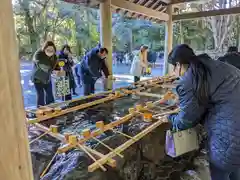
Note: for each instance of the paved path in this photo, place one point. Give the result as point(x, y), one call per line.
point(121, 72)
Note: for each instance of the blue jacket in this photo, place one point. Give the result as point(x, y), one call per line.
point(92, 66)
point(222, 115)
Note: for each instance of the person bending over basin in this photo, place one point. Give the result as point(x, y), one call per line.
point(209, 90)
point(231, 57)
point(92, 66)
point(44, 62)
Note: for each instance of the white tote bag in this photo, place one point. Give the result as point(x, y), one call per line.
point(181, 142)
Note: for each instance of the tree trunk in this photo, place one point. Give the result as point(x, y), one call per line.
point(181, 33)
point(130, 40)
point(33, 36)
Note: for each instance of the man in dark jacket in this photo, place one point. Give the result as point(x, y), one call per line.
point(92, 66)
point(231, 57)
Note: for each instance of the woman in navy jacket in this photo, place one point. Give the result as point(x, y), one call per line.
point(66, 56)
point(209, 90)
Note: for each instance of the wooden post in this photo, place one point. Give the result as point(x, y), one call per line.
point(15, 162)
point(106, 34)
point(168, 39)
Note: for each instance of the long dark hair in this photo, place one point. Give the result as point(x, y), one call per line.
point(66, 47)
point(47, 44)
point(183, 54)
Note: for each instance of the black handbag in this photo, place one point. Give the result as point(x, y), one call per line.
point(40, 75)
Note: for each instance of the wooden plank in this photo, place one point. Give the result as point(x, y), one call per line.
point(15, 159)
point(108, 127)
point(149, 94)
point(184, 1)
point(82, 106)
point(138, 9)
point(127, 144)
point(197, 15)
point(91, 156)
point(80, 98)
point(60, 137)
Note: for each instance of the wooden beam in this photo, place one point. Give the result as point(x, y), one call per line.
point(124, 146)
point(195, 15)
point(106, 36)
point(166, 1)
point(138, 9)
point(168, 39)
point(182, 1)
point(15, 160)
point(60, 137)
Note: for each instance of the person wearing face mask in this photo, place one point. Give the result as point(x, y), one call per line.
point(44, 62)
point(91, 68)
point(209, 91)
point(139, 64)
point(66, 56)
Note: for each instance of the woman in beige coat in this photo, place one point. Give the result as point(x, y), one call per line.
point(139, 64)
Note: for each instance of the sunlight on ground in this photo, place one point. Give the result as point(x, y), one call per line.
point(25, 72)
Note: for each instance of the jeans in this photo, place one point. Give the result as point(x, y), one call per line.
point(219, 174)
point(77, 76)
point(44, 93)
point(78, 80)
point(136, 79)
point(89, 88)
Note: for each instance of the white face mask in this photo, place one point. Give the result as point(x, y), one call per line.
point(49, 51)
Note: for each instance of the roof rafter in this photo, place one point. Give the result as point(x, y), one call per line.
point(138, 9)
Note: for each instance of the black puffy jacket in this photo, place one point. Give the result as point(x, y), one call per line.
point(231, 58)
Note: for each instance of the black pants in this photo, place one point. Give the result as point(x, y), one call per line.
point(219, 174)
point(44, 93)
point(136, 79)
point(67, 97)
point(89, 88)
point(72, 83)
